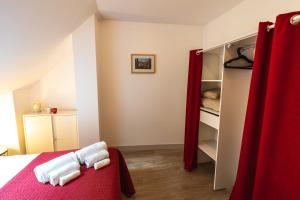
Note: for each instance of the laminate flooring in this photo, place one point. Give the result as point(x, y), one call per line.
point(159, 175)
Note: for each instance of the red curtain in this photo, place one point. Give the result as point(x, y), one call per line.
point(254, 115)
point(193, 110)
point(270, 154)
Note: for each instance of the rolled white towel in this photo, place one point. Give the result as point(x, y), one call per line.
point(101, 163)
point(93, 158)
point(86, 151)
point(62, 171)
point(67, 178)
point(42, 171)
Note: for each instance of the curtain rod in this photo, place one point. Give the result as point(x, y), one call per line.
point(228, 42)
point(294, 20)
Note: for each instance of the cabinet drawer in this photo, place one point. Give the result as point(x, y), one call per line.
point(210, 119)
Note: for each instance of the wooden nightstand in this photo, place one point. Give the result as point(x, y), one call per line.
point(3, 151)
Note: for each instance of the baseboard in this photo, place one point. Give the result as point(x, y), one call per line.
point(149, 147)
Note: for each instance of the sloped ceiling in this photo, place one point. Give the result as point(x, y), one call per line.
point(196, 12)
point(31, 33)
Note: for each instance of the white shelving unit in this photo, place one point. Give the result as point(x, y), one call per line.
point(212, 81)
point(220, 132)
point(208, 110)
point(209, 147)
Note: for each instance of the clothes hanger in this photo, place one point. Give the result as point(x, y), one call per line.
point(248, 65)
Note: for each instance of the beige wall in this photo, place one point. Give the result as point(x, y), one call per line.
point(85, 66)
point(244, 18)
point(22, 104)
point(8, 128)
point(57, 87)
point(144, 109)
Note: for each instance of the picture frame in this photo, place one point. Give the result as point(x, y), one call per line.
point(142, 63)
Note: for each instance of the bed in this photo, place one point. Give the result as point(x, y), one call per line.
point(17, 180)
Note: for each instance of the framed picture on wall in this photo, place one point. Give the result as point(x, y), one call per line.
point(142, 63)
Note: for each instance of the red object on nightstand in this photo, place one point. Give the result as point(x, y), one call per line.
point(53, 110)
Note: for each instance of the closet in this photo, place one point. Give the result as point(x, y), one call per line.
point(50, 132)
point(221, 124)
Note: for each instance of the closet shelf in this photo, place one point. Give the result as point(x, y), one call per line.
point(211, 111)
point(209, 147)
point(217, 81)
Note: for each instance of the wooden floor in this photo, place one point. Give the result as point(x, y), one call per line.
point(159, 175)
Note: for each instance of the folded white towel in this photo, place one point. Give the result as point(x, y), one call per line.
point(102, 163)
point(86, 151)
point(211, 103)
point(93, 158)
point(62, 171)
point(67, 178)
point(42, 171)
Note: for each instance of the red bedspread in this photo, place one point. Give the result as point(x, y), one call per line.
point(104, 184)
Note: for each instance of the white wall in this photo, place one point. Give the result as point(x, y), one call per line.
point(22, 103)
point(84, 47)
point(30, 31)
point(57, 87)
point(144, 109)
point(244, 18)
point(8, 126)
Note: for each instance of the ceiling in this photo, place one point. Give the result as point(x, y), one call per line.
point(31, 32)
point(191, 12)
